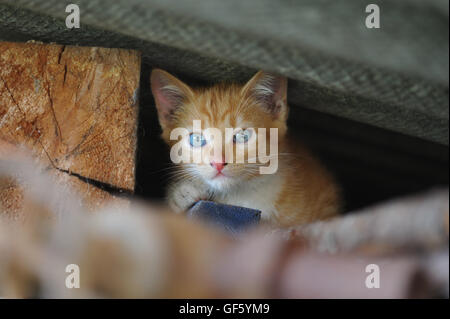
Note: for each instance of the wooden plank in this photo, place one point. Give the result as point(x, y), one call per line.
point(75, 109)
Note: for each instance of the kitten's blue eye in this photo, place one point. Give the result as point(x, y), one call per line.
point(242, 136)
point(197, 140)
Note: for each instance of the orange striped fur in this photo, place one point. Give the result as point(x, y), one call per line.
point(301, 190)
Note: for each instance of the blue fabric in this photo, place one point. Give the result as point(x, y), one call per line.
point(232, 219)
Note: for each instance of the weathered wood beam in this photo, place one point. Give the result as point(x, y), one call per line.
point(75, 109)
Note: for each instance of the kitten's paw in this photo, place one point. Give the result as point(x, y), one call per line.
point(184, 196)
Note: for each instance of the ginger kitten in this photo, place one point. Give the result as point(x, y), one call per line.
point(299, 191)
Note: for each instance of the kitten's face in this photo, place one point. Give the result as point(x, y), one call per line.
point(237, 112)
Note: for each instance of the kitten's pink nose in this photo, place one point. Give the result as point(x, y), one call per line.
point(218, 165)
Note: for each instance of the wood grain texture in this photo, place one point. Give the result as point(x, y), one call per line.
point(75, 108)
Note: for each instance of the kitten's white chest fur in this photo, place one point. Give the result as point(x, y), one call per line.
point(259, 193)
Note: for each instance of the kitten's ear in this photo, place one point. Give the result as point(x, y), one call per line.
point(269, 90)
point(169, 94)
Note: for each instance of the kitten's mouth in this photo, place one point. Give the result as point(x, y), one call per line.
point(220, 175)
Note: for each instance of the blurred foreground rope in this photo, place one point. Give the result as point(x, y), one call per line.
point(145, 251)
point(413, 223)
